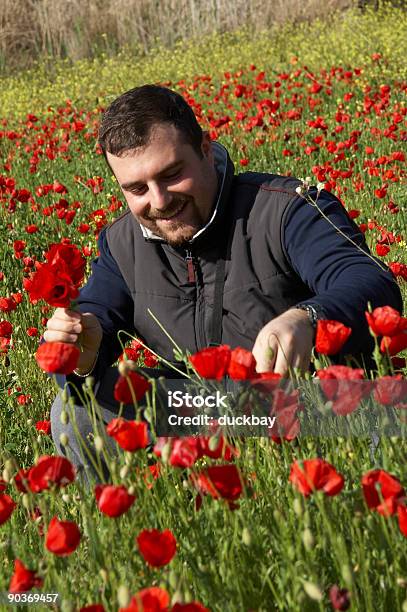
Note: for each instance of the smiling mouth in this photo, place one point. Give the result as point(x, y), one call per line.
point(175, 214)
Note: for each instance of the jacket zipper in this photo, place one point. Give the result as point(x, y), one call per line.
point(190, 267)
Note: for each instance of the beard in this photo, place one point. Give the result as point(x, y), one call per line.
point(178, 232)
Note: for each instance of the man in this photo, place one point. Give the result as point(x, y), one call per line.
point(216, 258)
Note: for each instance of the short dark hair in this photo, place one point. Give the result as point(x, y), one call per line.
point(128, 121)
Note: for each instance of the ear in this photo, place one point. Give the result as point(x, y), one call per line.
point(206, 147)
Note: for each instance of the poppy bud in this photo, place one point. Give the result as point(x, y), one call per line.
point(297, 507)
point(124, 471)
point(66, 498)
point(246, 537)
point(64, 417)
point(123, 596)
point(173, 579)
point(312, 590)
point(347, 574)
point(25, 500)
point(99, 444)
point(64, 440)
point(308, 539)
point(103, 574)
point(6, 475)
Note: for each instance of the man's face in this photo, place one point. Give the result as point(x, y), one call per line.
point(169, 188)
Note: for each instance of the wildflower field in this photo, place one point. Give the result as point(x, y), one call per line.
point(289, 522)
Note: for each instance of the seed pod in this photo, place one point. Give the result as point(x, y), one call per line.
point(312, 590)
point(123, 596)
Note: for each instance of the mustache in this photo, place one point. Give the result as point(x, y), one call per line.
point(176, 206)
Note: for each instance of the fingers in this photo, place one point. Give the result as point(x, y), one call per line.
point(64, 326)
point(265, 351)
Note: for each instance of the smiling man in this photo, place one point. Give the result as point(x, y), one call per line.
point(217, 257)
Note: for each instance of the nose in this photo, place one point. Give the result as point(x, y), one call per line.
point(160, 198)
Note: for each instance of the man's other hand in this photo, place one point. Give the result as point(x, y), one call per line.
point(285, 342)
point(82, 329)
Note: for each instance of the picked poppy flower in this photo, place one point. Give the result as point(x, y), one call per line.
point(382, 491)
point(402, 517)
point(7, 506)
point(51, 284)
point(242, 364)
point(129, 435)
point(23, 579)
point(63, 537)
point(113, 500)
point(152, 599)
point(340, 598)
point(219, 481)
point(157, 547)
point(193, 606)
point(383, 321)
point(312, 475)
point(68, 257)
point(212, 362)
point(50, 471)
point(57, 357)
point(127, 386)
point(331, 336)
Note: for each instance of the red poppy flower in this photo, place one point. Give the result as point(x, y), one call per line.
point(315, 475)
point(21, 480)
point(382, 250)
point(340, 598)
point(44, 427)
point(184, 452)
point(125, 385)
point(390, 390)
point(67, 257)
point(383, 321)
point(331, 336)
point(7, 506)
point(52, 284)
point(23, 579)
point(212, 362)
point(157, 547)
point(57, 357)
point(49, 471)
point(222, 450)
point(219, 481)
point(394, 344)
point(242, 364)
point(193, 606)
point(341, 385)
point(62, 537)
point(391, 490)
point(402, 517)
point(129, 435)
point(93, 608)
point(7, 305)
point(152, 599)
point(113, 500)
point(6, 329)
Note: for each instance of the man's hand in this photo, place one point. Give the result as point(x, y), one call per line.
point(78, 328)
point(285, 342)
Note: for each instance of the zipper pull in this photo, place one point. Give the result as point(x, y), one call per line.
point(190, 267)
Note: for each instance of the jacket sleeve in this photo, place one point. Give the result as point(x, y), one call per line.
point(107, 296)
point(342, 277)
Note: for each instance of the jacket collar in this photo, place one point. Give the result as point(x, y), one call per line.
point(225, 169)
